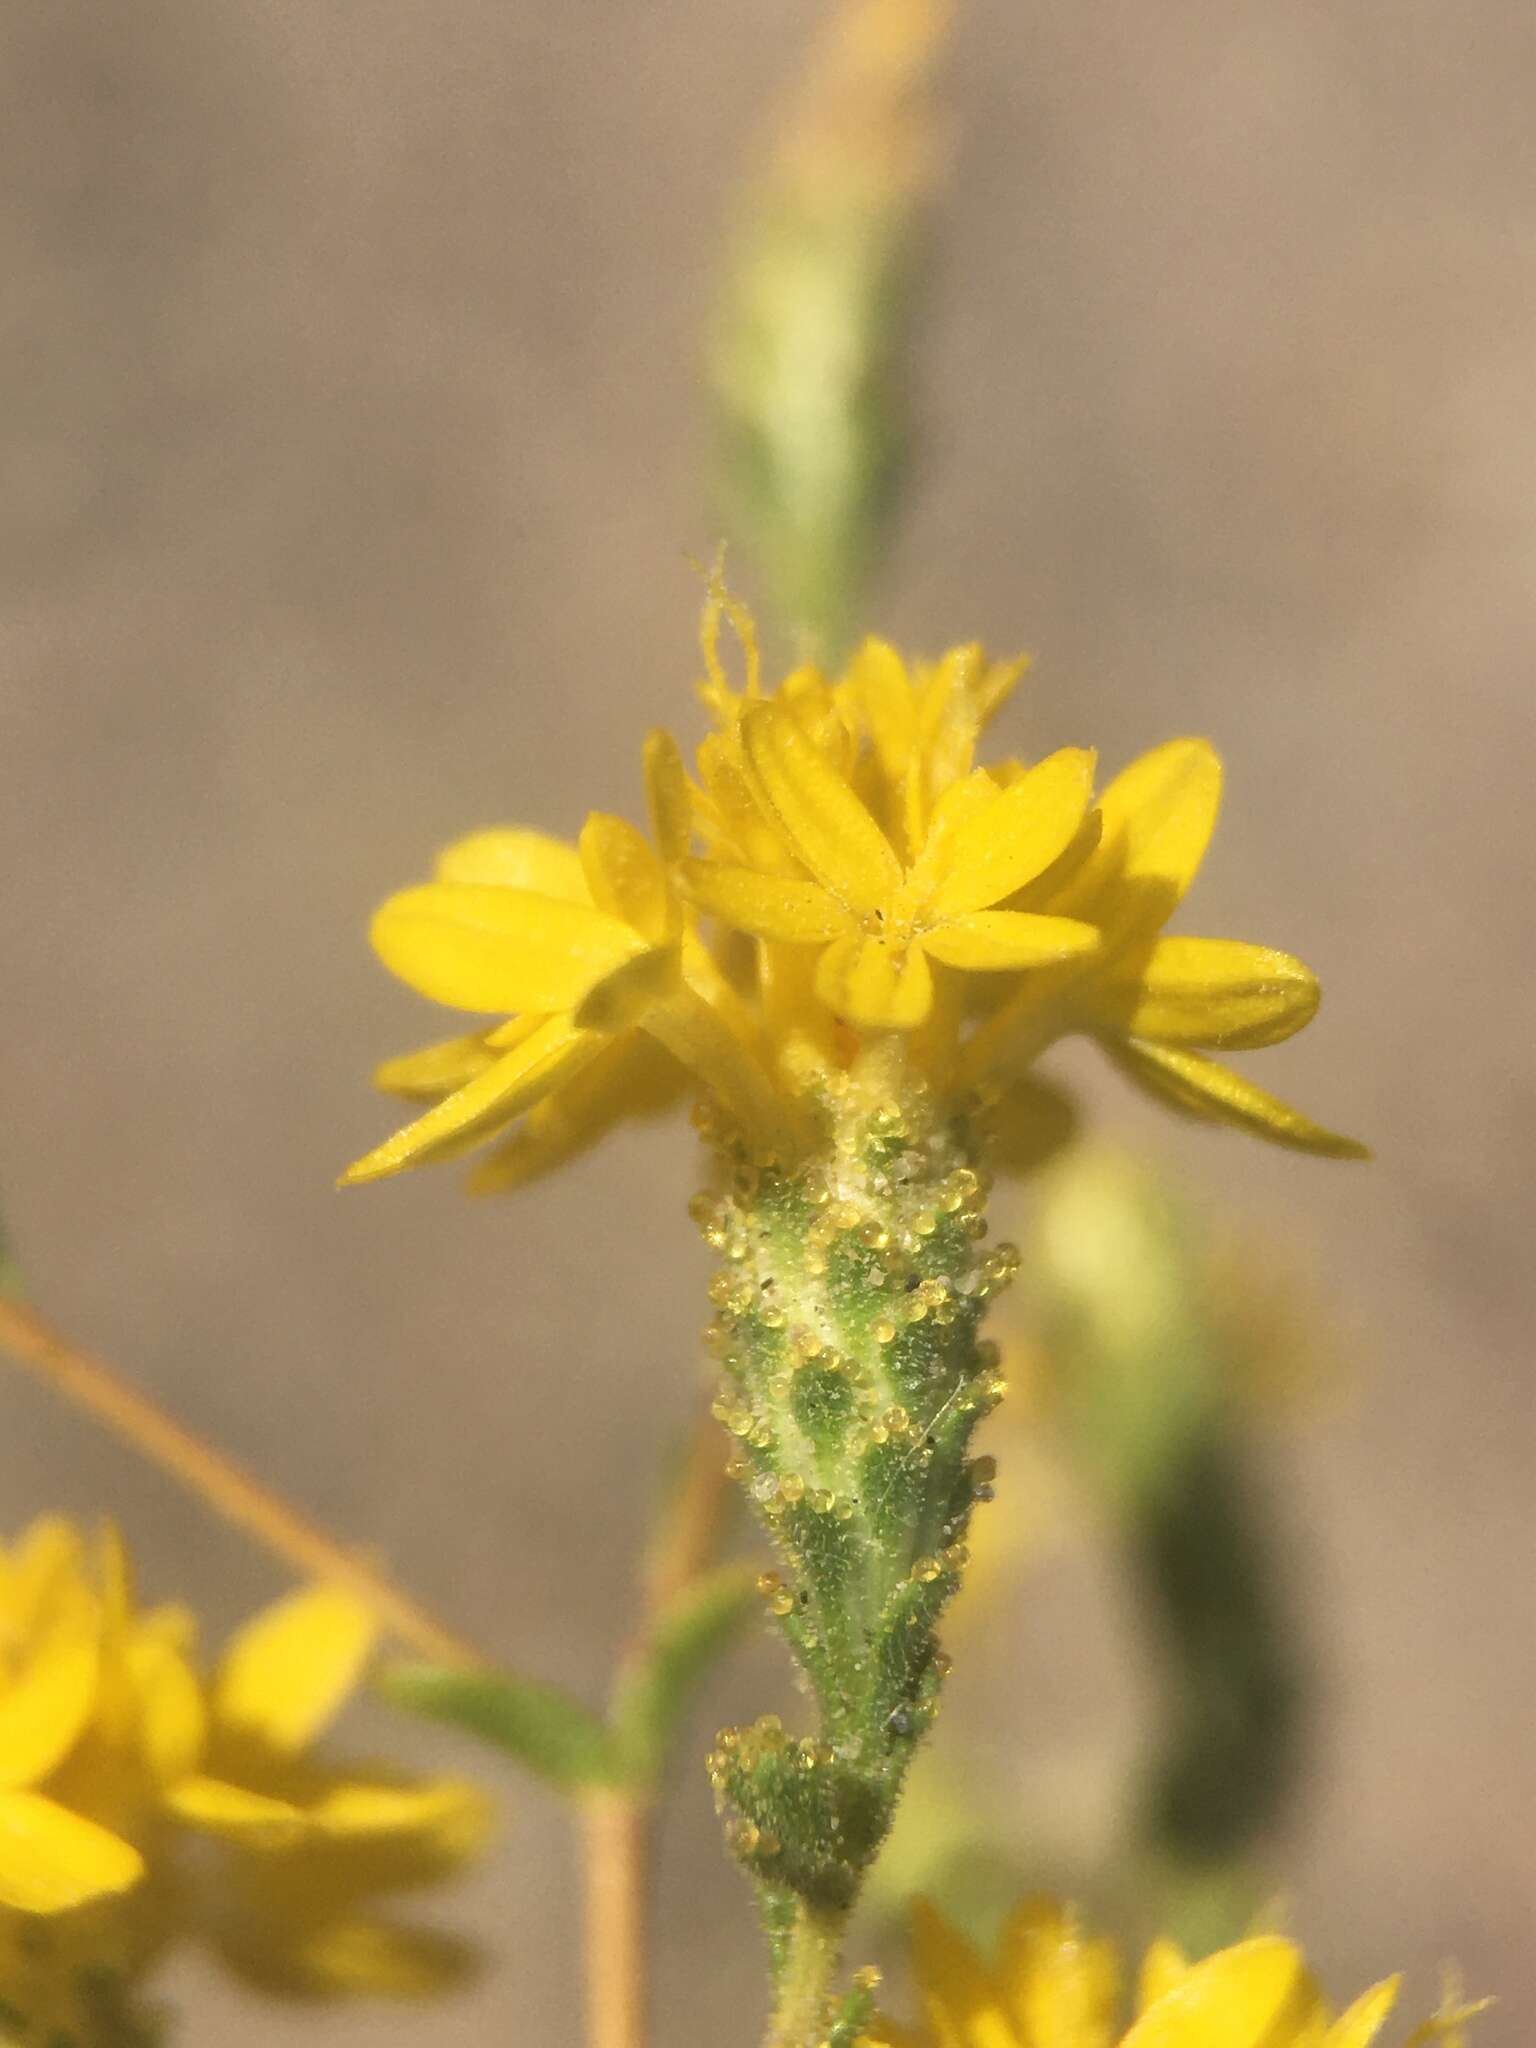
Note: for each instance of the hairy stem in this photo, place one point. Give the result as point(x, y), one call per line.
point(853, 1375)
point(813, 1946)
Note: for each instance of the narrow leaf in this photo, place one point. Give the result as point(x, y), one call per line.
point(658, 1686)
point(554, 1735)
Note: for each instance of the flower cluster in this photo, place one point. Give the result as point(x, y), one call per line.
point(1052, 1984)
point(838, 868)
point(119, 1753)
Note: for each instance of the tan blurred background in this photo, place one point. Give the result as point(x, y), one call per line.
point(351, 453)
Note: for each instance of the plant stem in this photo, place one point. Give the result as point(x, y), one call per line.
point(812, 1951)
point(617, 1833)
point(618, 1825)
point(93, 1385)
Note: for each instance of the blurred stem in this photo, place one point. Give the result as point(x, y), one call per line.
point(619, 1824)
point(812, 334)
point(617, 1831)
point(108, 1398)
point(1229, 1750)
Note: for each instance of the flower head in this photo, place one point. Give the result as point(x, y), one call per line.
point(119, 1753)
point(837, 870)
point(1049, 1983)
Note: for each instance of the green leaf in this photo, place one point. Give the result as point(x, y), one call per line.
point(554, 1735)
point(657, 1685)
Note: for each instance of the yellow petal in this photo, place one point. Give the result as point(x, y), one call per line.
point(44, 1708)
point(731, 820)
point(545, 1057)
point(993, 940)
point(48, 1557)
point(287, 1672)
point(667, 796)
point(1364, 2020)
point(700, 1038)
point(236, 1814)
point(1209, 992)
point(964, 2004)
point(1256, 1995)
point(478, 948)
point(878, 685)
point(625, 997)
point(436, 1070)
point(1158, 816)
point(1205, 1088)
point(825, 823)
point(1163, 1966)
point(442, 1809)
point(52, 1860)
point(1023, 830)
point(767, 906)
point(1063, 1988)
point(957, 806)
point(344, 1957)
point(625, 877)
point(510, 857)
point(874, 985)
point(172, 1716)
point(633, 1077)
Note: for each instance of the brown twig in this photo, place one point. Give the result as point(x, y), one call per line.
point(619, 1824)
point(102, 1392)
point(617, 1839)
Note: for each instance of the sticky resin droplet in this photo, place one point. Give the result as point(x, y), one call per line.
point(925, 1222)
point(884, 1331)
point(926, 1570)
point(956, 1557)
point(743, 1836)
point(769, 1583)
point(792, 1488)
point(943, 1663)
point(868, 1979)
point(782, 1603)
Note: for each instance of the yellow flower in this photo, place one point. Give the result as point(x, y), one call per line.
point(313, 1846)
point(860, 875)
point(880, 923)
point(116, 1748)
point(82, 1679)
point(1051, 1986)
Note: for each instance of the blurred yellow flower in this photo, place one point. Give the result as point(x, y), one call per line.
point(117, 1751)
point(1051, 1986)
